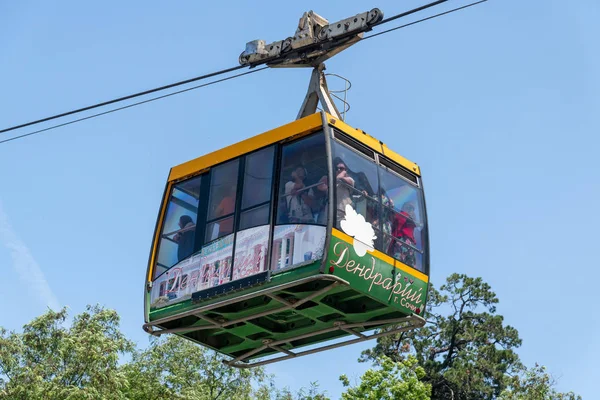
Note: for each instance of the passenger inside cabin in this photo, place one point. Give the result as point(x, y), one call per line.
point(403, 226)
point(321, 200)
point(362, 184)
point(381, 218)
point(227, 204)
point(185, 237)
point(363, 195)
point(226, 207)
point(299, 198)
point(344, 187)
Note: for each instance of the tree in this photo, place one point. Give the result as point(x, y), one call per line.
point(175, 368)
point(534, 384)
point(92, 360)
point(49, 361)
point(393, 380)
point(464, 353)
point(465, 349)
point(312, 393)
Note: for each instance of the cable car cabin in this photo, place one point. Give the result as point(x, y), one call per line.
point(309, 232)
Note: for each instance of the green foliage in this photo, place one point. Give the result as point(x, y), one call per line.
point(312, 393)
point(534, 384)
point(175, 368)
point(393, 380)
point(52, 361)
point(49, 361)
point(465, 349)
point(464, 352)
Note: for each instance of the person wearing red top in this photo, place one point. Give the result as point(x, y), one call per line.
point(226, 207)
point(403, 228)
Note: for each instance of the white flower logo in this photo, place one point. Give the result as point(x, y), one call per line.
point(355, 225)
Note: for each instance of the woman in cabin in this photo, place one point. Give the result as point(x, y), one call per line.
point(185, 237)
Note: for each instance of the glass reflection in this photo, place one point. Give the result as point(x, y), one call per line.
point(357, 184)
point(258, 177)
point(389, 202)
point(178, 231)
point(403, 227)
point(303, 182)
point(223, 183)
point(255, 217)
point(217, 229)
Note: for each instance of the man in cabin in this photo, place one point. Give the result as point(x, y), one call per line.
point(185, 237)
point(299, 198)
point(344, 183)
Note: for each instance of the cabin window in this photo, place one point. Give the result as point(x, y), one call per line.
point(258, 184)
point(221, 200)
point(178, 228)
point(302, 203)
point(303, 182)
point(357, 184)
point(402, 226)
point(386, 196)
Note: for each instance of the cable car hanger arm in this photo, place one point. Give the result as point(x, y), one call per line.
point(315, 41)
point(318, 92)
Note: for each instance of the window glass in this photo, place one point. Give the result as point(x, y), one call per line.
point(178, 229)
point(223, 185)
point(221, 200)
point(402, 222)
point(219, 228)
point(303, 184)
point(258, 178)
point(255, 217)
point(357, 184)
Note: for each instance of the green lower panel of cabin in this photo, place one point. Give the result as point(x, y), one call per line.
point(301, 306)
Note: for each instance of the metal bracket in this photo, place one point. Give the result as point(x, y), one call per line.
point(335, 281)
point(408, 323)
point(318, 92)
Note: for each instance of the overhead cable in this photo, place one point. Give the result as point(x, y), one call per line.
point(131, 96)
point(425, 19)
point(409, 12)
point(213, 74)
point(133, 105)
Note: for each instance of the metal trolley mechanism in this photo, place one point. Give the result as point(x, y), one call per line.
point(315, 41)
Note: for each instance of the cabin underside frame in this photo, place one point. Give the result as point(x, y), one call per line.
point(273, 322)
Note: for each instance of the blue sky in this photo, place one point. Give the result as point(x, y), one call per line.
point(497, 104)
